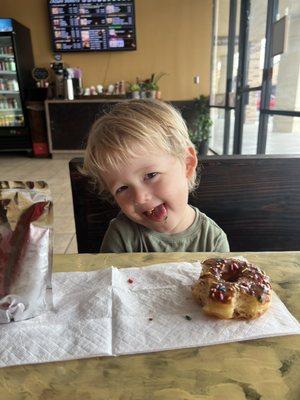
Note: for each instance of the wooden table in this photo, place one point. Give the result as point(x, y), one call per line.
point(267, 369)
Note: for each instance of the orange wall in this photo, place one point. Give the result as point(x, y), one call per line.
point(173, 36)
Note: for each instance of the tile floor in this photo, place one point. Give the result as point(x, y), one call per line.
point(56, 173)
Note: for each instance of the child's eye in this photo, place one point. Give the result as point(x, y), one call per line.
point(151, 175)
point(121, 189)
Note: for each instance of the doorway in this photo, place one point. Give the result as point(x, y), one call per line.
point(255, 94)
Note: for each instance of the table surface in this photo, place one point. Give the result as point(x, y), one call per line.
point(266, 369)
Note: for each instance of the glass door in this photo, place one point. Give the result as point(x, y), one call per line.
point(255, 88)
point(11, 110)
point(284, 105)
point(225, 57)
point(250, 75)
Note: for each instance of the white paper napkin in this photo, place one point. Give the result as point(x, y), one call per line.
point(125, 311)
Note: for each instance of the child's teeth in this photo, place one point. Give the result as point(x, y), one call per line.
point(151, 212)
point(157, 213)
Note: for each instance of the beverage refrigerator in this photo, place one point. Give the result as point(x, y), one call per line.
point(16, 64)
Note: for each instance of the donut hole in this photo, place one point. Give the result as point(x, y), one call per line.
point(230, 276)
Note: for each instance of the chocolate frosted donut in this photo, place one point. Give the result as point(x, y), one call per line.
point(231, 288)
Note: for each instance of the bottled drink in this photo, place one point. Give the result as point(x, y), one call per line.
point(12, 65)
point(15, 85)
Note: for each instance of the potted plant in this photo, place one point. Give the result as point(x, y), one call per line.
point(144, 88)
point(153, 86)
point(150, 87)
point(199, 123)
point(135, 88)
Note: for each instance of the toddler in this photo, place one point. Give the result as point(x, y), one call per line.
point(140, 153)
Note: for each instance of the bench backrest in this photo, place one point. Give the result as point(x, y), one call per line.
point(254, 199)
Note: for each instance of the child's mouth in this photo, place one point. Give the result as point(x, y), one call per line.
point(158, 213)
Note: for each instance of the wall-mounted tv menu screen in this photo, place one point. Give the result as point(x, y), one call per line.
point(92, 25)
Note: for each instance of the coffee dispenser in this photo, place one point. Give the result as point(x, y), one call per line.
point(73, 83)
point(58, 69)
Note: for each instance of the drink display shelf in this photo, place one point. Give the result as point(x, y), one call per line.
point(6, 56)
point(9, 92)
point(11, 126)
point(8, 72)
point(10, 110)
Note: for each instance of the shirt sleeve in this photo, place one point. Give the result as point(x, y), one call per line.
point(221, 243)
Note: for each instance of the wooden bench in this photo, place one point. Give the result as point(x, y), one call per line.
point(254, 199)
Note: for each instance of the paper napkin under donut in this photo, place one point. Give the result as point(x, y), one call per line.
point(125, 311)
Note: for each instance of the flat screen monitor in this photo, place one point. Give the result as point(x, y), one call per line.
point(92, 25)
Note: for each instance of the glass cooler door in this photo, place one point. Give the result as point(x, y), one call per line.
point(11, 107)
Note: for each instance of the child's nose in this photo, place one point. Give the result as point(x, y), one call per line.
point(141, 195)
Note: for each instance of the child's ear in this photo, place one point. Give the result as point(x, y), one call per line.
point(191, 161)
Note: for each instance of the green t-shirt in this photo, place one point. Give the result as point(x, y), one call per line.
point(126, 236)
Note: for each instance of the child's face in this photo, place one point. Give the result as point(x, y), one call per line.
point(152, 190)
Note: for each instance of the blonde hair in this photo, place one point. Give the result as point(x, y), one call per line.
point(130, 126)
